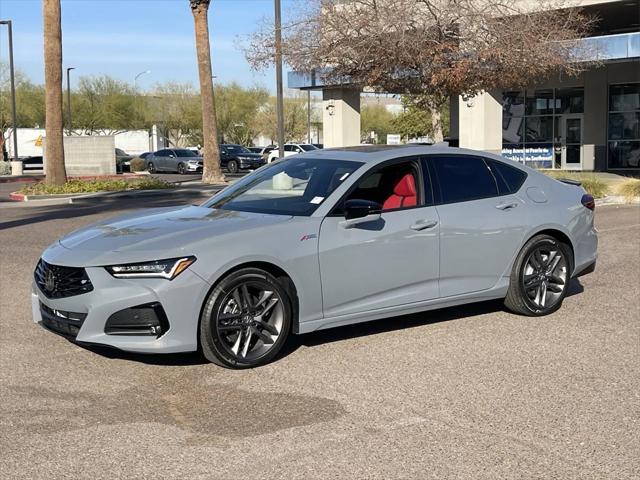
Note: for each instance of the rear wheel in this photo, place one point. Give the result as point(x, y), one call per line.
point(540, 277)
point(246, 319)
point(232, 166)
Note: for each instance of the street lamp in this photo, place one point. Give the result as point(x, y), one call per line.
point(13, 89)
point(135, 80)
point(69, 124)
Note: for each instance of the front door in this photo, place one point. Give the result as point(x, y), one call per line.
point(390, 262)
point(571, 134)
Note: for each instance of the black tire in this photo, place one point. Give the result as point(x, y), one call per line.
point(151, 168)
point(181, 169)
point(216, 345)
point(232, 166)
point(526, 279)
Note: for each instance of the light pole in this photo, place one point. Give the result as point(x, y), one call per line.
point(309, 116)
point(69, 122)
point(12, 73)
point(135, 79)
point(279, 99)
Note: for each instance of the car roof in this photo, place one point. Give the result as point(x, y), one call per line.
point(380, 153)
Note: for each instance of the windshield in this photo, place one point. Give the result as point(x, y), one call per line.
point(185, 153)
point(291, 187)
point(308, 147)
point(235, 149)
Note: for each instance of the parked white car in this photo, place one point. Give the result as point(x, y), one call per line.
point(291, 149)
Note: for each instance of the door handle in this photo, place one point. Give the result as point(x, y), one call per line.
point(506, 206)
point(424, 224)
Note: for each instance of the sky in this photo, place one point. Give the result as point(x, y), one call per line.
point(122, 38)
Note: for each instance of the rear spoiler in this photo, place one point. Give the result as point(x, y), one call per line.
point(568, 181)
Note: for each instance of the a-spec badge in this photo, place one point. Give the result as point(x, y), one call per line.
point(308, 237)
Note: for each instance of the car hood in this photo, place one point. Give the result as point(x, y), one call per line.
point(153, 234)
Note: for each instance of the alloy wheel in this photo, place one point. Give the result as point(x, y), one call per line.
point(545, 276)
point(151, 168)
point(250, 320)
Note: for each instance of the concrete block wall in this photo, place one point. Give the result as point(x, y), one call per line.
point(93, 155)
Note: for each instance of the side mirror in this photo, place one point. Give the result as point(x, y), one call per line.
point(171, 155)
point(360, 211)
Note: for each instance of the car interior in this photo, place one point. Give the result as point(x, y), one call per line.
point(393, 187)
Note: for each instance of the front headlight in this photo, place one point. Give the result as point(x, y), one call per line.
point(169, 268)
point(194, 162)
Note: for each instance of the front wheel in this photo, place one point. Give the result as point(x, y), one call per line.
point(181, 169)
point(540, 277)
point(151, 168)
point(246, 319)
point(232, 166)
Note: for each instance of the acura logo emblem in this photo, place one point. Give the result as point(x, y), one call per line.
point(49, 281)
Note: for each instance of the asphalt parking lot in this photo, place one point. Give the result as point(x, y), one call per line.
point(468, 392)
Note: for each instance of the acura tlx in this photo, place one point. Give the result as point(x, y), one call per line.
point(319, 240)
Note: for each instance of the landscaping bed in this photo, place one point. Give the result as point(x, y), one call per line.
point(94, 185)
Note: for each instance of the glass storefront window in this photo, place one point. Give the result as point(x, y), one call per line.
point(569, 100)
point(539, 129)
point(624, 154)
point(531, 121)
point(624, 98)
point(624, 126)
point(539, 102)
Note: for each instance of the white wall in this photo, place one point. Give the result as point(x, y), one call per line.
point(30, 140)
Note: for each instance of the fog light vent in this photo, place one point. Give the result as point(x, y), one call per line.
point(146, 320)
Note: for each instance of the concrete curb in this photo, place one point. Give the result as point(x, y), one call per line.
point(616, 200)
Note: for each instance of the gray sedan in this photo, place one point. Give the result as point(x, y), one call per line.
point(178, 160)
point(323, 239)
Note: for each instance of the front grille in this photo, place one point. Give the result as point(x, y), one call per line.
point(59, 282)
point(64, 323)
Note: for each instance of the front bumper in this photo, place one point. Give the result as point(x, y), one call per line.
point(191, 167)
point(83, 318)
point(250, 164)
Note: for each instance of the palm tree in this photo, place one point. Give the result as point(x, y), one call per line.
point(211, 154)
point(54, 145)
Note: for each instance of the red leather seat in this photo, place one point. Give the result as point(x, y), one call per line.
point(404, 194)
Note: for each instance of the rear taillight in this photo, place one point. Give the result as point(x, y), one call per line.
point(588, 201)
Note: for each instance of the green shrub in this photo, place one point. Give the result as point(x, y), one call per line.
point(5, 168)
point(137, 164)
point(630, 189)
point(94, 185)
point(591, 183)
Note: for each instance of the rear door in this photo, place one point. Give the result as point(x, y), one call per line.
point(482, 222)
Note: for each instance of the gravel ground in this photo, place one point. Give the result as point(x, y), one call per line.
point(470, 392)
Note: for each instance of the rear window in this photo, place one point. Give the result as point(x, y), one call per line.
point(185, 153)
point(463, 178)
point(509, 178)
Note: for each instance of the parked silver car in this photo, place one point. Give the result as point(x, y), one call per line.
point(323, 239)
point(179, 160)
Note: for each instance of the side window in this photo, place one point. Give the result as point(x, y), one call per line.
point(509, 178)
point(288, 148)
point(463, 178)
point(394, 187)
point(161, 153)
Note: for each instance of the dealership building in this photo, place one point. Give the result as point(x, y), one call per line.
point(590, 122)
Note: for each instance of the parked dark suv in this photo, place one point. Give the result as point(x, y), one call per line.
point(236, 157)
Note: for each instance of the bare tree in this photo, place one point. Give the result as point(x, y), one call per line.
point(54, 145)
point(211, 152)
point(432, 49)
